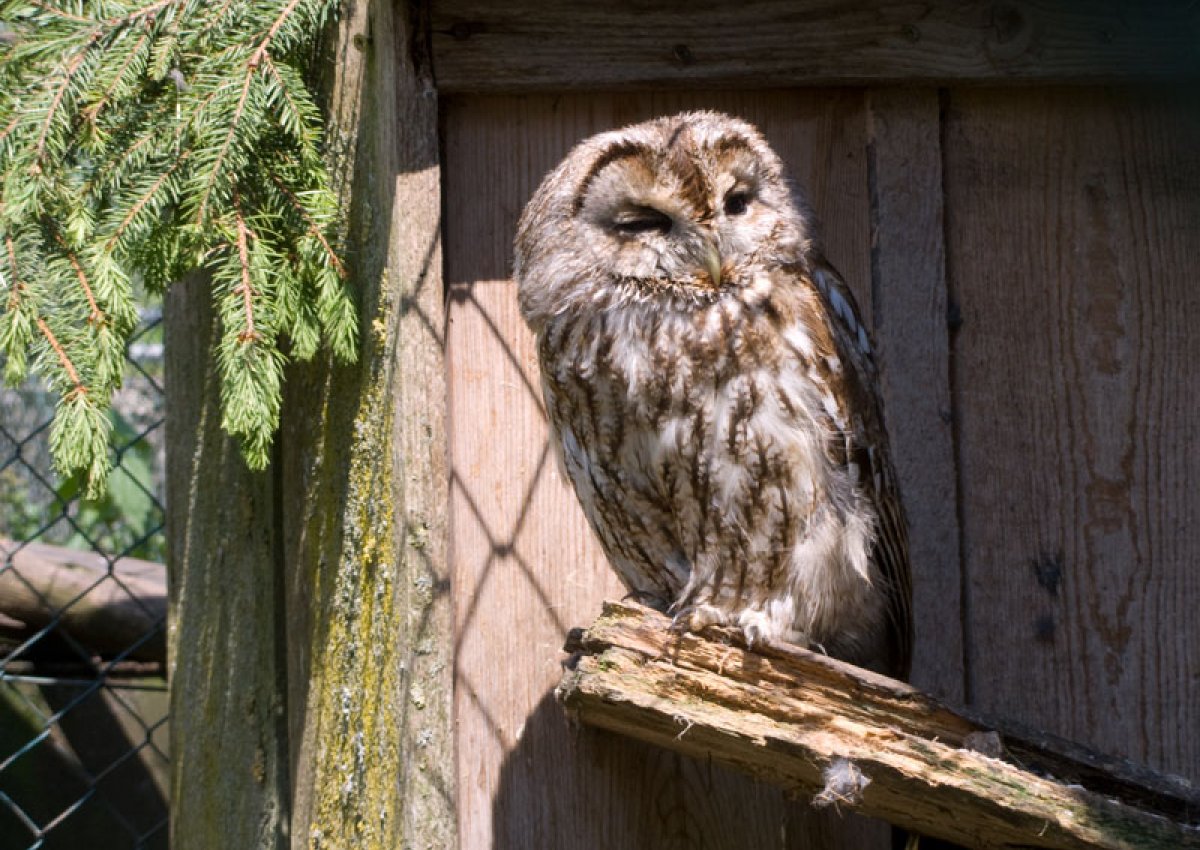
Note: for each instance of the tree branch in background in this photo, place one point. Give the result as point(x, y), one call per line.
point(106, 609)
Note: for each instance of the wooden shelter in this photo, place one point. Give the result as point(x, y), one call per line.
point(1013, 191)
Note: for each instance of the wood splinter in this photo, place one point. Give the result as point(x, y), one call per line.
point(855, 739)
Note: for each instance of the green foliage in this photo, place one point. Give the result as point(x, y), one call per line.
point(139, 141)
point(126, 519)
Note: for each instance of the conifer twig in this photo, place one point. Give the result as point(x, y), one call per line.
point(97, 314)
point(312, 226)
point(63, 359)
point(262, 47)
point(61, 92)
point(152, 9)
point(61, 13)
point(143, 200)
point(11, 125)
point(244, 288)
point(148, 175)
point(233, 124)
point(93, 111)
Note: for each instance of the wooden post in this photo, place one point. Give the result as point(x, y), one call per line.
point(229, 785)
point(858, 740)
point(311, 646)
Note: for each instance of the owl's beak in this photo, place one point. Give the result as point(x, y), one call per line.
point(712, 262)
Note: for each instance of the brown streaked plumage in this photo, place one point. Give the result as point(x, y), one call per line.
point(712, 392)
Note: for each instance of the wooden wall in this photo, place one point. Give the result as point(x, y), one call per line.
point(1024, 254)
point(526, 567)
point(1073, 227)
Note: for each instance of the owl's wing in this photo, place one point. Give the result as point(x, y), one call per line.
point(856, 391)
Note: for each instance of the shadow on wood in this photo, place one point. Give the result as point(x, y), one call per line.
point(559, 774)
point(810, 724)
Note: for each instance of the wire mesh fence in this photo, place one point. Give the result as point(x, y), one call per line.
point(83, 703)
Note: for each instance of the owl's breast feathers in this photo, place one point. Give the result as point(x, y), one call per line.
point(731, 457)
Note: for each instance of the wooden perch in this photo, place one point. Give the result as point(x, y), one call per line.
point(106, 609)
point(854, 739)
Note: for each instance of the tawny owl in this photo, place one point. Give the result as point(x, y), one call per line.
point(711, 387)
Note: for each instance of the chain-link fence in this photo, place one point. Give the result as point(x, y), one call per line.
point(83, 703)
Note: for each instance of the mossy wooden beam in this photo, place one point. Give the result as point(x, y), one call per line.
point(311, 646)
point(858, 740)
point(363, 477)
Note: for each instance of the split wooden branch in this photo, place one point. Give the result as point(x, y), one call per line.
point(109, 609)
point(854, 739)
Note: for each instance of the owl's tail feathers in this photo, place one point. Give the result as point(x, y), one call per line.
point(650, 600)
point(903, 839)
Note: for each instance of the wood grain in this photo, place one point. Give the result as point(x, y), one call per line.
point(363, 479)
point(527, 45)
point(1073, 231)
point(525, 565)
point(225, 608)
point(791, 717)
point(908, 280)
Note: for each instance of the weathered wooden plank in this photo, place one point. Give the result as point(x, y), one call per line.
point(363, 479)
point(117, 608)
point(525, 564)
point(224, 610)
point(1073, 235)
point(815, 725)
point(527, 45)
point(908, 281)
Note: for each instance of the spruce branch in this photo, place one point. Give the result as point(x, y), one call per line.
point(148, 10)
point(4, 134)
point(313, 229)
point(142, 201)
point(39, 149)
point(215, 170)
point(92, 113)
point(245, 288)
point(68, 366)
point(61, 13)
point(272, 32)
point(139, 141)
point(96, 316)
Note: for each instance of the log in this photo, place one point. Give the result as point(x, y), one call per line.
point(108, 608)
point(855, 739)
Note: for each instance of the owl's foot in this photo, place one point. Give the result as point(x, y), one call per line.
point(759, 629)
point(697, 618)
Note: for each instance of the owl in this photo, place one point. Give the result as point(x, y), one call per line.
point(712, 392)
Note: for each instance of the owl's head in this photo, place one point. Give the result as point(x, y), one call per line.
point(677, 209)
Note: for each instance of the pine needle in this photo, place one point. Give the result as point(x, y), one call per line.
point(138, 142)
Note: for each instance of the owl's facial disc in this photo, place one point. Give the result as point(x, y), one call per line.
point(685, 212)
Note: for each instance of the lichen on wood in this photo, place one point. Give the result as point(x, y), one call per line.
point(346, 634)
point(789, 717)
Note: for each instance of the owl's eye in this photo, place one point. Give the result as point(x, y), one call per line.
point(737, 202)
point(642, 220)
